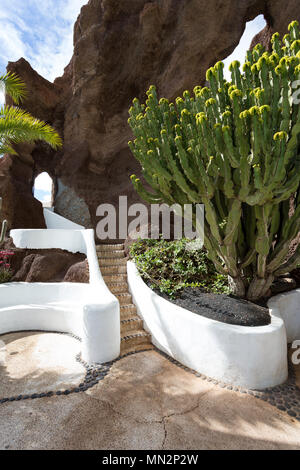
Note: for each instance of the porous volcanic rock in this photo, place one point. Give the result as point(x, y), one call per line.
point(44, 265)
point(79, 272)
point(120, 48)
point(221, 307)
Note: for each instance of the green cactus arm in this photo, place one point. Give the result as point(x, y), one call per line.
point(233, 222)
point(146, 195)
point(290, 265)
point(290, 232)
point(3, 231)
point(4, 226)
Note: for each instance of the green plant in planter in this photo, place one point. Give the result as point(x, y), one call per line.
point(235, 148)
point(170, 267)
point(4, 226)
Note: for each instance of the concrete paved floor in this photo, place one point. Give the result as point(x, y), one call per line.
point(146, 402)
point(38, 362)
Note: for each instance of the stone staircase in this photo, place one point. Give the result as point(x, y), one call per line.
point(113, 266)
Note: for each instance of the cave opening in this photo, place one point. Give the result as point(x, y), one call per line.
point(43, 189)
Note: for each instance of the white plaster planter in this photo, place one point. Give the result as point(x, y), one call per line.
point(250, 357)
point(90, 311)
point(287, 306)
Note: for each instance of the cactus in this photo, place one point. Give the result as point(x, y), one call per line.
point(4, 226)
point(235, 148)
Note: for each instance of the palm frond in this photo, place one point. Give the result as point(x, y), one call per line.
point(11, 84)
point(16, 126)
point(6, 149)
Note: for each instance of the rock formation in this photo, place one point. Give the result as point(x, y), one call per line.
point(53, 265)
point(120, 48)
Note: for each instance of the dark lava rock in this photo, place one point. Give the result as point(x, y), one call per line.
point(296, 276)
point(283, 284)
point(47, 265)
point(221, 307)
point(78, 272)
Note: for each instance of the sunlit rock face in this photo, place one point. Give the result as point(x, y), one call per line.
point(120, 48)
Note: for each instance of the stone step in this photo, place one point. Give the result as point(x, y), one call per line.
point(128, 316)
point(127, 348)
point(110, 254)
point(127, 310)
point(118, 287)
point(114, 278)
point(115, 247)
point(111, 270)
point(112, 261)
point(124, 299)
point(131, 324)
point(136, 340)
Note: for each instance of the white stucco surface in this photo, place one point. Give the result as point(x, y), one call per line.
point(54, 220)
point(251, 357)
point(90, 311)
point(287, 305)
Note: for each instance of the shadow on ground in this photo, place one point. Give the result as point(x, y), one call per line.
point(147, 402)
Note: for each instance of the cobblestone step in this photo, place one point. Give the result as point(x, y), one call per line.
point(124, 298)
point(117, 287)
point(112, 262)
point(111, 270)
point(127, 310)
point(131, 324)
point(136, 340)
point(114, 278)
point(111, 254)
point(116, 247)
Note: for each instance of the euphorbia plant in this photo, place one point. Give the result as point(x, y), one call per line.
point(233, 146)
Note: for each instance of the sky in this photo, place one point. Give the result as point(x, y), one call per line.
point(252, 28)
point(41, 31)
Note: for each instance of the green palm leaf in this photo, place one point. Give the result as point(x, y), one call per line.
point(11, 84)
point(16, 126)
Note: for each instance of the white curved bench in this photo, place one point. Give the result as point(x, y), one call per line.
point(63, 307)
point(89, 311)
point(250, 357)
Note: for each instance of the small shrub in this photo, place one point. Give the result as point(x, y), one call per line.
point(5, 266)
point(170, 267)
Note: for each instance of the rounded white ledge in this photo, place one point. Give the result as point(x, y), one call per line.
point(250, 357)
point(89, 311)
point(287, 306)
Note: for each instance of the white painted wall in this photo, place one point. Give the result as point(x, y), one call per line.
point(251, 357)
point(80, 309)
point(70, 240)
point(57, 221)
point(287, 305)
point(90, 311)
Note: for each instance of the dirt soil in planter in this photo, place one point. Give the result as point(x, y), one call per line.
point(221, 307)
